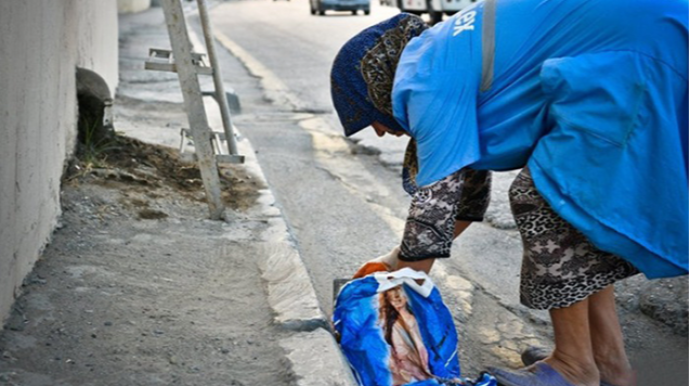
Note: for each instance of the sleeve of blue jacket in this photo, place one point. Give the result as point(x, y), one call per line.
point(435, 98)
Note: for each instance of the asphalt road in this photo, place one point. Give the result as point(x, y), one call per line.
point(292, 43)
point(344, 207)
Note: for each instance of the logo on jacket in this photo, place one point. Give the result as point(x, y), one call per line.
point(465, 22)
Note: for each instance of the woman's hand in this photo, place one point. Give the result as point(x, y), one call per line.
point(386, 262)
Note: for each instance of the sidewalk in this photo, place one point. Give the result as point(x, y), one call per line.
point(138, 288)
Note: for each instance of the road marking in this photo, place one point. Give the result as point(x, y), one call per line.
point(274, 88)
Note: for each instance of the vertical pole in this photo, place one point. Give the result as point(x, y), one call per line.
point(194, 104)
point(217, 77)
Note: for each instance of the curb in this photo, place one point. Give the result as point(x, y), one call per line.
point(290, 292)
point(319, 363)
point(315, 356)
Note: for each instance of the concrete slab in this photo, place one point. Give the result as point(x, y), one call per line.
point(312, 355)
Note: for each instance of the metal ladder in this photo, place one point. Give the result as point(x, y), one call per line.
point(189, 65)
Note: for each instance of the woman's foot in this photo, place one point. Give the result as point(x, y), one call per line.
point(616, 374)
point(577, 371)
point(539, 374)
point(577, 368)
point(610, 374)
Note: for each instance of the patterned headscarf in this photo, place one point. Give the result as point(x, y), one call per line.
point(364, 69)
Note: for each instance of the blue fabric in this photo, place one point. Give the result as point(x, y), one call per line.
point(348, 88)
point(591, 94)
point(356, 320)
point(435, 97)
point(438, 332)
point(684, 124)
point(639, 204)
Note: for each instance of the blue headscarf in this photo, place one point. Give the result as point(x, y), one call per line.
point(364, 69)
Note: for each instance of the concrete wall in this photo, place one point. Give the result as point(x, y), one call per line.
point(97, 39)
point(132, 6)
point(41, 44)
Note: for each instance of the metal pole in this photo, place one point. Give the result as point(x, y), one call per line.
point(191, 91)
point(217, 77)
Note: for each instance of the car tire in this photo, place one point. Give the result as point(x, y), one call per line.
point(367, 11)
point(322, 12)
point(354, 13)
point(435, 17)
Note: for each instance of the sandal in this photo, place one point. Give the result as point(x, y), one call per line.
point(543, 375)
point(533, 354)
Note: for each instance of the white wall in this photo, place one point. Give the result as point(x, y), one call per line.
point(97, 47)
point(132, 6)
point(41, 44)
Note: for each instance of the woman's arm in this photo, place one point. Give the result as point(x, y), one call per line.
point(439, 213)
point(460, 226)
point(475, 198)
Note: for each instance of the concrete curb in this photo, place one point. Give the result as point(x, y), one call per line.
point(289, 288)
point(320, 363)
point(315, 356)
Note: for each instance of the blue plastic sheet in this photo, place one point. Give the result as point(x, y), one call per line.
point(394, 331)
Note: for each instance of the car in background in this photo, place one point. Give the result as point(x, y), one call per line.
point(435, 8)
point(321, 6)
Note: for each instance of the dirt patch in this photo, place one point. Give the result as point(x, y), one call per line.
point(123, 162)
point(151, 214)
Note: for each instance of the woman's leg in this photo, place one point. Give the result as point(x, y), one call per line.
point(460, 226)
point(564, 273)
point(573, 356)
point(607, 340)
